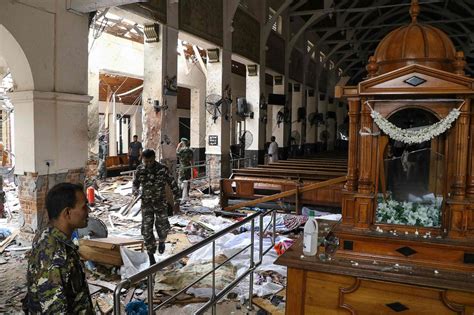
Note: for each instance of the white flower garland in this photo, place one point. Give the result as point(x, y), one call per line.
point(414, 136)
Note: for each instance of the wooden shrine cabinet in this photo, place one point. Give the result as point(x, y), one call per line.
point(406, 239)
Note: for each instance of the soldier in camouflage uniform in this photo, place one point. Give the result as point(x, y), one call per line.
point(153, 176)
point(185, 155)
point(55, 278)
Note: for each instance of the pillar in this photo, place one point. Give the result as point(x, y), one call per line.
point(331, 124)
point(352, 170)
point(218, 130)
point(49, 128)
point(322, 104)
point(279, 130)
point(161, 127)
point(254, 89)
point(296, 123)
point(198, 123)
point(366, 185)
point(470, 179)
point(461, 153)
point(311, 128)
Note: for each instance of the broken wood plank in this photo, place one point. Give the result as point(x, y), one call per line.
point(4, 244)
point(104, 284)
point(93, 289)
point(267, 306)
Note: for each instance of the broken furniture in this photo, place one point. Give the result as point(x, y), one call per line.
point(107, 250)
point(117, 164)
point(255, 182)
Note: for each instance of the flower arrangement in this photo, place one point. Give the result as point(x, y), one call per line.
point(415, 136)
point(408, 213)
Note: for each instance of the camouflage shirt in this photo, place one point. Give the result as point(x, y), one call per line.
point(185, 156)
point(56, 279)
point(153, 181)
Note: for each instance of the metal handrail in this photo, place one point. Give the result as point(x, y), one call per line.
point(149, 272)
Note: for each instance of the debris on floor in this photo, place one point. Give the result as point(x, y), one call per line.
point(112, 249)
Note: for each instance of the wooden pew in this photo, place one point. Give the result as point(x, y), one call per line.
point(255, 182)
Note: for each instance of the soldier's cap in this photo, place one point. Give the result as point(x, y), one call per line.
point(184, 139)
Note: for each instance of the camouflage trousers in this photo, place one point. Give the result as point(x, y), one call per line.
point(184, 174)
point(156, 215)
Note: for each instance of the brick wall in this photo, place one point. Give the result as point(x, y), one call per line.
point(32, 190)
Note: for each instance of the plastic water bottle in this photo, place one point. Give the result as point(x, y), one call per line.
point(310, 238)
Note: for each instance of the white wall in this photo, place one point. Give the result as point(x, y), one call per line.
point(238, 86)
point(191, 76)
point(114, 54)
point(45, 47)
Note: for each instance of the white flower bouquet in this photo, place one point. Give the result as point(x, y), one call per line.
point(425, 214)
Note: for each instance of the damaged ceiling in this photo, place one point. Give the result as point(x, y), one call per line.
point(110, 83)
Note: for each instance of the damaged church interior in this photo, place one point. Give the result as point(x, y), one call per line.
point(236, 157)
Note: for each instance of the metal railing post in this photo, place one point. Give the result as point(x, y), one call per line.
point(150, 294)
point(252, 264)
point(213, 298)
point(274, 227)
point(260, 240)
point(117, 304)
point(209, 175)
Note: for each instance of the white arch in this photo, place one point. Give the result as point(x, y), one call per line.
point(16, 60)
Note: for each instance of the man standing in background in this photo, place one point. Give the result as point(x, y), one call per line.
point(273, 150)
point(185, 155)
point(134, 153)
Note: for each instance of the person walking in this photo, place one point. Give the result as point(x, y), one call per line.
point(153, 177)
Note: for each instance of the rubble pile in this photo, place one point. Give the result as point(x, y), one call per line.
point(114, 214)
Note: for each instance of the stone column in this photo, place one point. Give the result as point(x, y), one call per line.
point(198, 124)
point(93, 113)
point(296, 123)
point(331, 125)
point(253, 91)
point(160, 131)
point(50, 128)
point(310, 128)
point(322, 109)
point(278, 129)
point(218, 130)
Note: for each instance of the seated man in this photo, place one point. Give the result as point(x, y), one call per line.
point(56, 280)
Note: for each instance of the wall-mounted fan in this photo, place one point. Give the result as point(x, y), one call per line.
point(243, 108)
point(283, 115)
point(215, 105)
point(246, 139)
point(295, 138)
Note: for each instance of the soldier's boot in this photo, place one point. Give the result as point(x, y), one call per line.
point(161, 247)
point(152, 258)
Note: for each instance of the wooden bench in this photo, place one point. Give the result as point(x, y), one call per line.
point(263, 180)
point(117, 163)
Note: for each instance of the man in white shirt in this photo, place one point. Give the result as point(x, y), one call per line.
point(273, 151)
